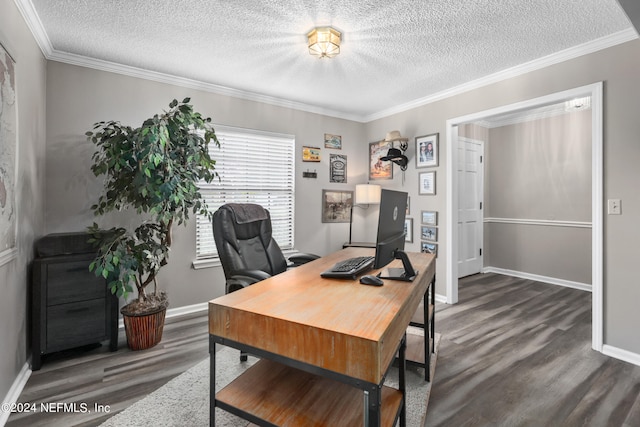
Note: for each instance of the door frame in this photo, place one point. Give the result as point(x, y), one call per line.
point(595, 91)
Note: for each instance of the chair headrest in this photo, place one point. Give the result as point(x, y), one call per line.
point(247, 212)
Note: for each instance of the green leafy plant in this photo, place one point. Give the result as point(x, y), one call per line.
point(155, 170)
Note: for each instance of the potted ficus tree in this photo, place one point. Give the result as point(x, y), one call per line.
point(152, 171)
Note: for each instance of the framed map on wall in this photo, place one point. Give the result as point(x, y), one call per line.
point(8, 153)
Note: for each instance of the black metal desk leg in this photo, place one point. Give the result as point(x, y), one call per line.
point(212, 382)
point(426, 330)
point(402, 382)
point(372, 405)
point(433, 320)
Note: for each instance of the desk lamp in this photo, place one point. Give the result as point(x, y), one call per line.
point(366, 194)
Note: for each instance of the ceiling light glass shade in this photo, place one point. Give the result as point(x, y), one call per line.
point(324, 42)
point(367, 194)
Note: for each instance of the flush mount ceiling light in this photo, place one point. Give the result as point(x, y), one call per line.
point(324, 42)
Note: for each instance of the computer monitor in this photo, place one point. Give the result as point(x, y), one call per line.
point(391, 236)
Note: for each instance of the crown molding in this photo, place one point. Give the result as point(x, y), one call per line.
point(35, 25)
point(113, 67)
point(546, 61)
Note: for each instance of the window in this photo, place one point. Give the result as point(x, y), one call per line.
point(254, 167)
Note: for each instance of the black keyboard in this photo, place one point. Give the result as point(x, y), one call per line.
point(349, 268)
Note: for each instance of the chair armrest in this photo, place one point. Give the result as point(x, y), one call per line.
point(302, 258)
point(244, 278)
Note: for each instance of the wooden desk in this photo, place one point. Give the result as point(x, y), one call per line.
point(323, 342)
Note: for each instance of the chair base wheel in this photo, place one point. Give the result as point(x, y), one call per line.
point(243, 356)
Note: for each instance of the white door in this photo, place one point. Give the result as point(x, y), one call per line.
point(470, 195)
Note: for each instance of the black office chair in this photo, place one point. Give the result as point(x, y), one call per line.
point(246, 248)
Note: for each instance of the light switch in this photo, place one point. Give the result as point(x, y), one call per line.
point(614, 207)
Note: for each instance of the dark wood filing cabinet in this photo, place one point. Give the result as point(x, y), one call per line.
point(71, 307)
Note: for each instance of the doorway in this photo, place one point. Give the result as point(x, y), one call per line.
point(594, 91)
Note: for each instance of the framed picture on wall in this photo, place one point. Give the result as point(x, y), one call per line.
point(8, 157)
point(336, 205)
point(310, 154)
point(429, 233)
point(427, 183)
point(337, 168)
point(430, 217)
point(429, 248)
point(427, 150)
point(377, 168)
point(408, 230)
point(332, 141)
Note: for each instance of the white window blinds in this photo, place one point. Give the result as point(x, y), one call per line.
point(254, 167)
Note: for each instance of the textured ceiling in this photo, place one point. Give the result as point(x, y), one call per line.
point(393, 52)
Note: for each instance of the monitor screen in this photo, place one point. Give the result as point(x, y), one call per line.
point(391, 233)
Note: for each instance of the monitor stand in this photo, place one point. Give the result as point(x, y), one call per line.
point(406, 274)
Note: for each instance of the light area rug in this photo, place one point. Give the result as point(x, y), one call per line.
point(184, 401)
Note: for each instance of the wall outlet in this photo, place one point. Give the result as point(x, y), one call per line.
point(614, 207)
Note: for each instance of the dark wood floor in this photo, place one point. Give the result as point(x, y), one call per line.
point(513, 352)
point(518, 353)
point(119, 379)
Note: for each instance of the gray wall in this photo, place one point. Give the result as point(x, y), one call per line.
point(30, 92)
point(540, 170)
point(619, 68)
point(77, 97)
point(555, 252)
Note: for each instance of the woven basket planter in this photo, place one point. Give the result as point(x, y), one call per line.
point(145, 330)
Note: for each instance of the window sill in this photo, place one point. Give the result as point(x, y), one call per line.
point(206, 263)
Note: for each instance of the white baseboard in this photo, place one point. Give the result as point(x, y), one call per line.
point(21, 380)
point(187, 309)
point(539, 278)
point(441, 298)
point(14, 392)
point(178, 311)
point(621, 354)
point(607, 350)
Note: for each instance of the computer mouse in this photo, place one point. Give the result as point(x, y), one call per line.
point(370, 279)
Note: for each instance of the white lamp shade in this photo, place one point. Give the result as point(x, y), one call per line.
point(367, 194)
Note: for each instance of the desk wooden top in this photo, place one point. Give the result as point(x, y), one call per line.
point(339, 325)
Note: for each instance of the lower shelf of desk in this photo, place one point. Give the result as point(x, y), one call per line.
point(285, 396)
point(415, 343)
point(415, 349)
